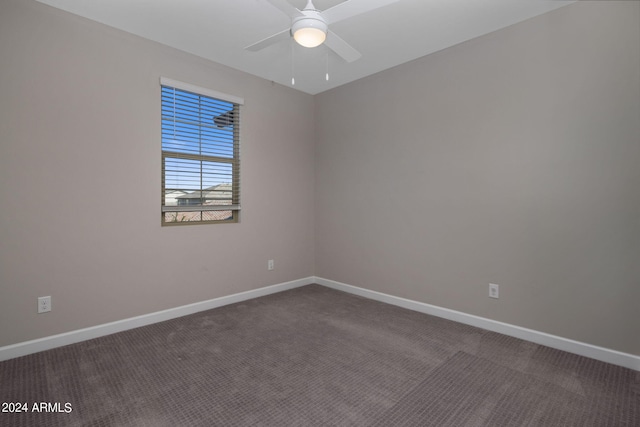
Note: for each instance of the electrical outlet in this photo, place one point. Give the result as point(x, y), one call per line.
point(494, 291)
point(270, 265)
point(44, 304)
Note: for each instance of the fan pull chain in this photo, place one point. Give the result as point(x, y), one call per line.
point(293, 76)
point(326, 76)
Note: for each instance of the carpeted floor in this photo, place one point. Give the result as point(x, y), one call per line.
point(315, 356)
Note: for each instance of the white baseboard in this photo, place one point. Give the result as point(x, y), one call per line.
point(599, 353)
point(583, 349)
point(47, 343)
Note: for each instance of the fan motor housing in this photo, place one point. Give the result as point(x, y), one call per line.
point(313, 23)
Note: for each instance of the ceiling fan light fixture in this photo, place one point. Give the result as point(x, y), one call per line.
point(309, 32)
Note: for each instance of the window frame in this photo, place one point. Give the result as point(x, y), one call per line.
point(234, 161)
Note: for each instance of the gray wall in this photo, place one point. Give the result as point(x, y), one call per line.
point(513, 159)
point(80, 179)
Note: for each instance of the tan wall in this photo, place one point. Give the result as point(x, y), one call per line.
point(513, 159)
point(80, 179)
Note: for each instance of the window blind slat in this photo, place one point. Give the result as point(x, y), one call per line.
point(200, 208)
point(164, 81)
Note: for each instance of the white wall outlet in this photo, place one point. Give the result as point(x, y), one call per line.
point(270, 265)
point(44, 304)
point(494, 291)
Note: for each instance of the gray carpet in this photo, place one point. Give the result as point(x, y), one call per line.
point(316, 356)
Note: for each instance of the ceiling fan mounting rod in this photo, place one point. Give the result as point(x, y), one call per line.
point(310, 6)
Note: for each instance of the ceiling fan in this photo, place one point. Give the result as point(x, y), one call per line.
point(310, 26)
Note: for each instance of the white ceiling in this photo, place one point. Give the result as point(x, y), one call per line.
point(219, 30)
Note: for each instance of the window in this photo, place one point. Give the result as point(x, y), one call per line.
point(200, 155)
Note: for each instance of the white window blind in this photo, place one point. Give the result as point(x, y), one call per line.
point(200, 155)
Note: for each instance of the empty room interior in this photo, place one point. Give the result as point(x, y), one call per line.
point(431, 218)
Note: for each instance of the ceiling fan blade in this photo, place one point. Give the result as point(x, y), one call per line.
point(341, 47)
point(282, 35)
point(286, 7)
point(351, 8)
